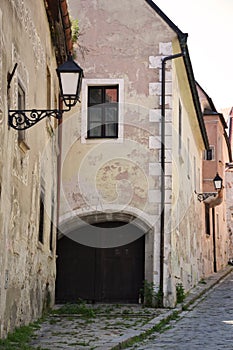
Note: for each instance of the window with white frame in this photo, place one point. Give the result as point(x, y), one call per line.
point(102, 110)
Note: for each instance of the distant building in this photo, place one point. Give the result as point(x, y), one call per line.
point(229, 187)
point(216, 208)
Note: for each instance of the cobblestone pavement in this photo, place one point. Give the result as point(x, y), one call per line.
point(207, 326)
point(97, 329)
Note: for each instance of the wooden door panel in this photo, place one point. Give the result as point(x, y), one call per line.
point(99, 274)
point(75, 271)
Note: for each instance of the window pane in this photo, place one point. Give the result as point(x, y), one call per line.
point(111, 95)
point(111, 114)
point(110, 130)
point(95, 114)
point(95, 95)
point(95, 130)
point(103, 117)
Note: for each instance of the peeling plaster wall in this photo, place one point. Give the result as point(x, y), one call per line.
point(27, 267)
point(229, 206)
point(126, 40)
point(119, 175)
point(184, 228)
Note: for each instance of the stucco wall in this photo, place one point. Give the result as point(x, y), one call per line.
point(125, 42)
point(229, 207)
point(27, 267)
point(118, 175)
point(220, 157)
point(185, 234)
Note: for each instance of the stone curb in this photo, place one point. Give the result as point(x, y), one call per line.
point(192, 299)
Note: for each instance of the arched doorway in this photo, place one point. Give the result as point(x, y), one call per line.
point(95, 274)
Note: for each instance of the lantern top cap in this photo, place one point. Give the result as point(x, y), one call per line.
point(70, 66)
point(217, 177)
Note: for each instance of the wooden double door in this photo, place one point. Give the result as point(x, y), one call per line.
point(99, 274)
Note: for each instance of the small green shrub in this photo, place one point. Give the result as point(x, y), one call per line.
point(75, 30)
point(150, 297)
point(180, 293)
point(80, 308)
point(202, 281)
point(20, 338)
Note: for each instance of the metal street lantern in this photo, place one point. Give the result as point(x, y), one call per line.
point(70, 79)
point(217, 182)
point(218, 186)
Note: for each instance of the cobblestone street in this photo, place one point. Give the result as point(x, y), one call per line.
point(205, 324)
point(97, 329)
point(208, 326)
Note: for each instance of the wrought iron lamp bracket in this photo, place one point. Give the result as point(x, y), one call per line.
point(203, 196)
point(24, 119)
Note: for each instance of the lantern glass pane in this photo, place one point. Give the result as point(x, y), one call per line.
point(218, 184)
point(69, 83)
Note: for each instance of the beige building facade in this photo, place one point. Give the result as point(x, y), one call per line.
point(28, 159)
point(122, 184)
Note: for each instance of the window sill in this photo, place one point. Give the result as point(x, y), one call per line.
point(102, 138)
point(93, 140)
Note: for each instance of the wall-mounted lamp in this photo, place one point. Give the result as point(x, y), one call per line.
point(217, 182)
point(217, 185)
point(70, 80)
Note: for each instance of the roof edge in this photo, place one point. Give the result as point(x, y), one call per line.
point(196, 101)
point(181, 35)
point(60, 28)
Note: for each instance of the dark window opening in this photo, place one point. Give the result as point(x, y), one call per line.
point(207, 219)
point(48, 89)
point(21, 106)
point(41, 220)
point(103, 111)
point(209, 153)
point(51, 227)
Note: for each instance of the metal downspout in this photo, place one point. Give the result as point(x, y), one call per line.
point(162, 216)
point(214, 240)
